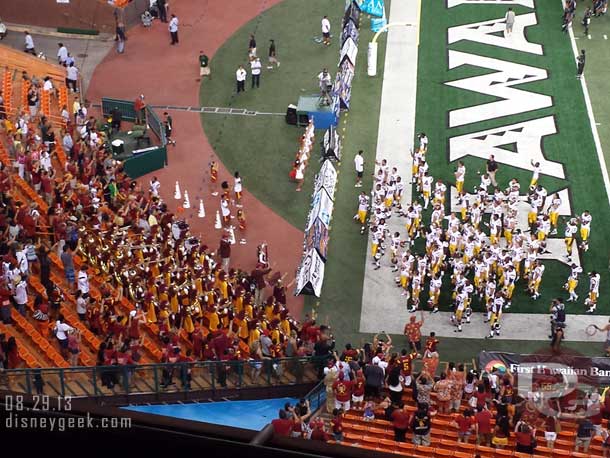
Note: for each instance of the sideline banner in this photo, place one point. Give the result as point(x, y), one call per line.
point(563, 368)
point(310, 274)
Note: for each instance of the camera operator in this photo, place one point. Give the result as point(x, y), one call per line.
point(325, 82)
point(558, 316)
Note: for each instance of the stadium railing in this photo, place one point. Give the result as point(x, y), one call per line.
point(93, 381)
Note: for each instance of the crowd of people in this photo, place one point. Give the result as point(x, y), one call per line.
point(378, 383)
point(481, 259)
point(116, 239)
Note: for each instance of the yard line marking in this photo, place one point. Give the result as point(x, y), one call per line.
point(589, 37)
point(605, 37)
point(598, 144)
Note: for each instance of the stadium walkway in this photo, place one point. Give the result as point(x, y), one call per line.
point(168, 75)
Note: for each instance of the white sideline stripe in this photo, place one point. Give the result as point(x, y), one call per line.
point(394, 141)
point(598, 144)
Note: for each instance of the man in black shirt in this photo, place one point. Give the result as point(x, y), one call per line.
point(272, 55)
point(580, 64)
point(252, 46)
point(117, 118)
point(492, 168)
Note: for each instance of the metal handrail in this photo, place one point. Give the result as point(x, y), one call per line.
point(87, 381)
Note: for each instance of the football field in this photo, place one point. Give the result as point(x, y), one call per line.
point(475, 93)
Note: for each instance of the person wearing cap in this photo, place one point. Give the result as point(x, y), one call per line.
point(139, 107)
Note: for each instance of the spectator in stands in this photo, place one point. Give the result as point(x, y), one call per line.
point(67, 261)
point(318, 432)
point(394, 383)
point(400, 422)
point(44, 264)
point(421, 424)
point(457, 378)
point(13, 359)
point(82, 281)
point(73, 346)
point(47, 86)
point(501, 431)
point(483, 426)
point(584, 434)
point(29, 43)
point(2, 108)
point(20, 294)
point(41, 314)
point(374, 376)
point(551, 426)
point(72, 77)
point(33, 101)
point(61, 333)
point(525, 437)
point(465, 425)
point(337, 424)
point(81, 306)
point(443, 394)
point(343, 392)
point(423, 384)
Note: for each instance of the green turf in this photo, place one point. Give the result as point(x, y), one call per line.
point(598, 62)
point(573, 145)
point(263, 148)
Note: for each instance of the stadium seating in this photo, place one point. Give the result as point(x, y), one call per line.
point(379, 435)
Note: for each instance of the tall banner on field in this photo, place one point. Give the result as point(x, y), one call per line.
point(310, 274)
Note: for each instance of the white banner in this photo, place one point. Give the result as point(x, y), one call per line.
point(310, 275)
point(321, 207)
point(326, 178)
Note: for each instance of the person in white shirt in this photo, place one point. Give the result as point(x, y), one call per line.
point(510, 21)
point(61, 333)
point(240, 76)
point(173, 29)
point(62, 54)
point(255, 69)
point(326, 31)
point(72, 77)
point(20, 294)
point(2, 30)
point(48, 86)
point(359, 165)
point(29, 43)
point(82, 280)
point(155, 185)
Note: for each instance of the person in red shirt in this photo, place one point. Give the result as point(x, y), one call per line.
point(318, 433)
point(400, 421)
point(432, 342)
point(343, 392)
point(406, 365)
point(282, 426)
point(349, 354)
point(337, 424)
point(358, 390)
point(465, 425)
point(483, 426)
